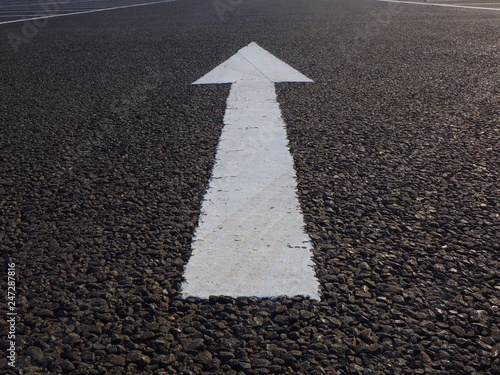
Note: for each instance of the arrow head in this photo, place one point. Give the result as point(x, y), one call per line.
point(255, 62)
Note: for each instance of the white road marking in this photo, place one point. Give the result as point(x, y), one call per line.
point(85, 12)
point(250, 240)
point(439, 5)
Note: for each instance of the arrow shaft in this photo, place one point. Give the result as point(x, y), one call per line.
point(250, 239)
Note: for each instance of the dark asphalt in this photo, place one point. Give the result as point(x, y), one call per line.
point(106, 151)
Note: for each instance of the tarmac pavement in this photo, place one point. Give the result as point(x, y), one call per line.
point(106, 151)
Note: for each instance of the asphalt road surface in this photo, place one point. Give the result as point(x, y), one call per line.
point(106, 151)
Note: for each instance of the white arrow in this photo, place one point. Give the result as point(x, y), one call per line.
point(250, 239)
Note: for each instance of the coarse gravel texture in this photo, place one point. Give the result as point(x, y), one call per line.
point(106, 151)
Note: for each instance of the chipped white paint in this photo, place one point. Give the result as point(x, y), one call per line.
point(250, 240)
